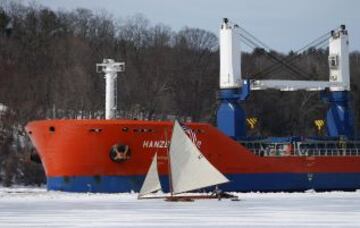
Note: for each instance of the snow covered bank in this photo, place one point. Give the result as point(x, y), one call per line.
point(35, 207)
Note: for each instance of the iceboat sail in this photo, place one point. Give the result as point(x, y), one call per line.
point(152, 181)
point(190, 170)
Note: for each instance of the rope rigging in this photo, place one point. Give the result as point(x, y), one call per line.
point(318, 43)
point(288, 62)
point(277, 60)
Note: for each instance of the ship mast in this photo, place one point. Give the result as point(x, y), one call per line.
point(110, 68)
point(169, 168)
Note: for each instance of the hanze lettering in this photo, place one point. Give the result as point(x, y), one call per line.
point(156, 144)
point(162, 144)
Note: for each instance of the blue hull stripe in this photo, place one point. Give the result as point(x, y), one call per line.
point(239, 182)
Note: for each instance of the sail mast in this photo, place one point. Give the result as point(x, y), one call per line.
point(169, 167)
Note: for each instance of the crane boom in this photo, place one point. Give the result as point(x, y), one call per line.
point(293, 85)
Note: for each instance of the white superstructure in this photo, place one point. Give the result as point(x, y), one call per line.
point(230, 56)
point(110, 68)
point(339, 59)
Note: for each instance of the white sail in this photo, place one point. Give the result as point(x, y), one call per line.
point(190, 170)
point(152, 181)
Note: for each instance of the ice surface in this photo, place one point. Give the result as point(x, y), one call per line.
point(35, 207)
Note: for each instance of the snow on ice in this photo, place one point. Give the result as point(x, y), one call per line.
point(36, 207)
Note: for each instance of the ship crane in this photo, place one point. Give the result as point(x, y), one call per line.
point(231, 117)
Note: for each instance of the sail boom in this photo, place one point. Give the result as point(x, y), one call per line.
point(189, 190)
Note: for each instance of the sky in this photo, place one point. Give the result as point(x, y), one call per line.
point(283, 25)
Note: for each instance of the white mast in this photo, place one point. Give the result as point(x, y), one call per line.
point(339, 59)
point(230, 56)
point(110, 68)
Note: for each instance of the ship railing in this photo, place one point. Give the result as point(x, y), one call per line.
point(307, 153)
point(328, 148)
point(301, 149)
point(328, 152)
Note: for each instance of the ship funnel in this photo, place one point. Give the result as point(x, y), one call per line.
point(110, 68)
point(230, 56)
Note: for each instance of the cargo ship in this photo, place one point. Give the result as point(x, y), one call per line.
point(113, 155)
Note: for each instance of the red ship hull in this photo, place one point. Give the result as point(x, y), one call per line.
point(75, 156)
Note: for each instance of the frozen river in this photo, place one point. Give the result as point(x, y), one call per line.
point(35, 207)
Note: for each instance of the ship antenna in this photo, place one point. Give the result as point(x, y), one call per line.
point(110, 68)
